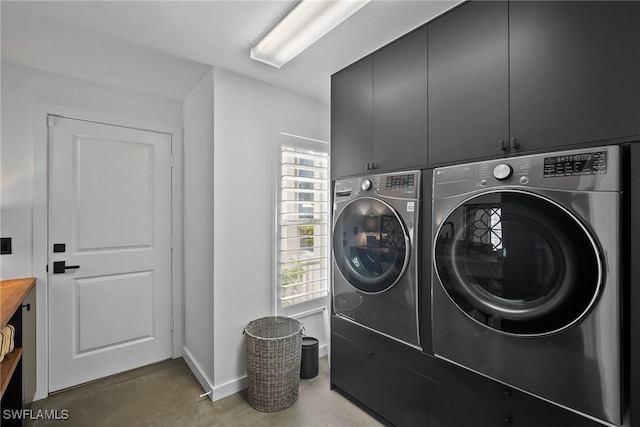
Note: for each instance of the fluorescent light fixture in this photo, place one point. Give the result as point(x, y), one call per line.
point(303, 26)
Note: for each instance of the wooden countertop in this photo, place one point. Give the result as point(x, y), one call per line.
point(12, 293)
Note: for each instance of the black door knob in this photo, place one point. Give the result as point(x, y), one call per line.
point(61, 267)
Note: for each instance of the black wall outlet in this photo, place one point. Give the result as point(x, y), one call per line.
point(5, 245)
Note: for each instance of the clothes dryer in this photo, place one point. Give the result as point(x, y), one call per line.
point(375, 256)
point(526, 280)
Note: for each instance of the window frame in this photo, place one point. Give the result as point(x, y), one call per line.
point(319, 303)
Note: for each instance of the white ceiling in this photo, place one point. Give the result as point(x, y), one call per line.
point(164, 47)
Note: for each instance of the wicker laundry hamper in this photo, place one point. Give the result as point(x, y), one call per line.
point(274, 349)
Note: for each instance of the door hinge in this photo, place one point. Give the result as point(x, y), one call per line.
point(51, 121)
point(172, 324)
point(171, 243)
point(46, 268)
point(171, 160)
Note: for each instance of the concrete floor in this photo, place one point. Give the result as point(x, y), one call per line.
point(167, 394)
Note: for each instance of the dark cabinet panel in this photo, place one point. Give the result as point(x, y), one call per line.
point(633, 292)
point(469, 82)
point(352, 371)
point(529, 411)
point(351, 119)
point(390, 349)
point(471, 387)
point(574, 72)
point(424, 289)
point(389, 389)
point(400, 103)
point(379, 110)
point(448, 409)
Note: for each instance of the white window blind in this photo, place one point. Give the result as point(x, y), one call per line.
point(303, 224)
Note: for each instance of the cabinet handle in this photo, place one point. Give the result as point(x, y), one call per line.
point(507, 395)
point(507, 421)
point(374, 166)
point(27, 306)
point(368, 166)
point(513, 144)
point(371, 355)
point(501, 145)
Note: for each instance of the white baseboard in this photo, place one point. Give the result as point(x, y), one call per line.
point(230, 387)
point(202, 378)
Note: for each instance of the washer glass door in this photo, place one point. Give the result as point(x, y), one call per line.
point(518, 263)
point(370, 245)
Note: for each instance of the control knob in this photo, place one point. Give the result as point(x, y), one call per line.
point(502, 172)
point(366, 185)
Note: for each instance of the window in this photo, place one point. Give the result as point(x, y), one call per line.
point(302, 221)
point(485, 225)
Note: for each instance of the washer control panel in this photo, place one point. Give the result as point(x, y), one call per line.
point(401, 182)
point(502, 172)
point(404, 185)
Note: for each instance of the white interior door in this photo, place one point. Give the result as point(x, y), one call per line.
point(110, 206)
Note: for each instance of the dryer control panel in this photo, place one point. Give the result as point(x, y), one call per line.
point(593, 163)
point(584, 169)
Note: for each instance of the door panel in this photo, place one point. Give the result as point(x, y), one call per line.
point(102, 200)
point(110, 204)
point(132, 293)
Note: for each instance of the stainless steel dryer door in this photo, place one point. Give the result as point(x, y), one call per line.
point(370, 245)
point(518, 263)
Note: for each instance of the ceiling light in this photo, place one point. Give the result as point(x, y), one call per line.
point(303, 26)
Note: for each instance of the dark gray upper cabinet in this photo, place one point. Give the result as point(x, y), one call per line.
point(502, 78)
point(469, 82)
point(400, 103)
point(379, 110)
point(351, 118)
point(574, 72)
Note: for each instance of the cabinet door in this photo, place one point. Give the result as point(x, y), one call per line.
point(351, 370)
point(394, 392)
point(351, 115)
point(468, 82)
point(29, 347)
point(400, 103)
point(574, 72)
point(449, 409)
point(632, 246)
point(529, 411)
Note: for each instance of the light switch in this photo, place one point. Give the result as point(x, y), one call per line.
point(5, 245)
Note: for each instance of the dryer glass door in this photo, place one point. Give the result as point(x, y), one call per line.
point(370, 245)
point(518, 263)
